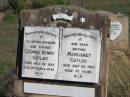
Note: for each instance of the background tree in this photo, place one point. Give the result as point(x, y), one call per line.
point(17, 5)
point(43, 3)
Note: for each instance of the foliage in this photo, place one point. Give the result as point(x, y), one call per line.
point(43, 3)
point(17, 5)
point(39, 3)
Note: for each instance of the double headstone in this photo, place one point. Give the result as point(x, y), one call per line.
point(62, 51)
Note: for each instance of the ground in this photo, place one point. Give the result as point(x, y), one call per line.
point(119, 72)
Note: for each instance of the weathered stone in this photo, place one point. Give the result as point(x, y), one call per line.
point(121, 42)
point(95, 21)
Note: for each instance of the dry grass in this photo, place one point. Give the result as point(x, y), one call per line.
point(119, 74)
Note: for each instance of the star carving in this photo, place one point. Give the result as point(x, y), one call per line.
point(82, 20)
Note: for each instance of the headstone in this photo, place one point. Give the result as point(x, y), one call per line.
point(119, 32)
point(119, 54)
point(62, 50)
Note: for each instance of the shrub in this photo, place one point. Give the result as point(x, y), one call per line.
point(39, 3)
point(17, 5)
point(43, 3)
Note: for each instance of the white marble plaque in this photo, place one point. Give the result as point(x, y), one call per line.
point(70, 54)
point(116, 29)
point(80, 55)
point(40, 52)
point(62, 16)
point(58, 90)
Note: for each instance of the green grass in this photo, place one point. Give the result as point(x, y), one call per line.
point(10, 18)
point(8, 43)
point(114, 8)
